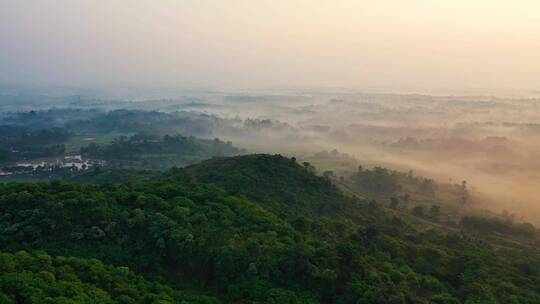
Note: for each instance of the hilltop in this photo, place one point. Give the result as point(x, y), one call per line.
point(278, 182)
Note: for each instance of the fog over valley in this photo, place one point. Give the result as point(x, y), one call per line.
point(488, 141)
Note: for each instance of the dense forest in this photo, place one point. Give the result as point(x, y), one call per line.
point(95, 121)
point(246, 229)
point(153, 152)
point(21, 143)
point(61, 143)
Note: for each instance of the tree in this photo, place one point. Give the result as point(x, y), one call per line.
point(464, 193)
point(394, 202)
point(309, 167)
point(418, 211)
point(427, 186)
point(406, 198)
point(435, 213)
point(328, 174)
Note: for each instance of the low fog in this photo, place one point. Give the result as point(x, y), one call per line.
point(412, 69)
point(488, 141)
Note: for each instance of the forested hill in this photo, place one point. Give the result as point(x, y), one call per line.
point(222, 232)
point(279, 182)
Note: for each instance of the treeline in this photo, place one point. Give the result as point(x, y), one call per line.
point(152, 122)
point(386, 182)
point(498, 225)
point(379, 180)
point(77, 121)
point(22, 143)
point(153, 152)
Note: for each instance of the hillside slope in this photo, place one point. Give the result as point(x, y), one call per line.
point(224, 228)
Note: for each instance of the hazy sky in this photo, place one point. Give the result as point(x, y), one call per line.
point(468, 43)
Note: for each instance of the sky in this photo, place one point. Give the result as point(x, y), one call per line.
point(264, 43)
